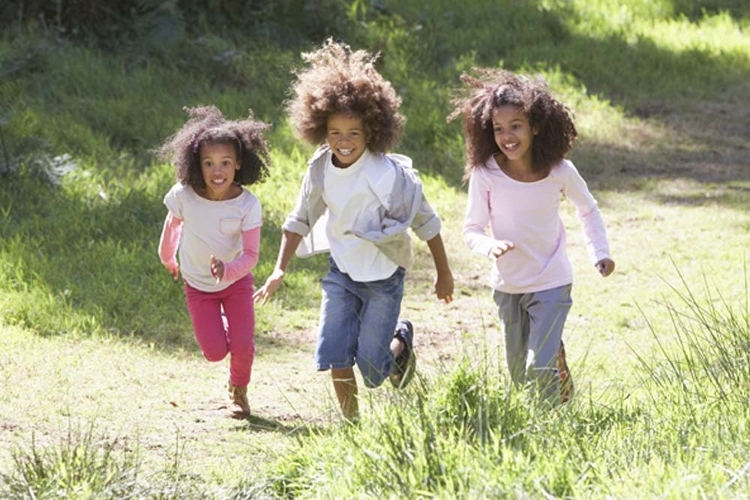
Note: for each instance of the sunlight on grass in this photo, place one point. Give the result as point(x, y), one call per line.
point(104, 390)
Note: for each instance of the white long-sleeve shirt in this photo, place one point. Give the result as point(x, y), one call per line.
point(528, 214)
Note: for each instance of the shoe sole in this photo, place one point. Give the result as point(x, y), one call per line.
point(400, 378)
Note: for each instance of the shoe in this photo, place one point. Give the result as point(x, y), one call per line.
point(238, 397)
point(566, 381)
point(406, 362)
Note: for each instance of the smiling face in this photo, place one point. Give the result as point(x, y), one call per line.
point(513, 134)
point(218, 166)
point(345, 135)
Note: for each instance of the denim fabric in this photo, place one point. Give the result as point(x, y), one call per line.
point(357, 323)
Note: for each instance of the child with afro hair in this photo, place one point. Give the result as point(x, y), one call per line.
point(215, 222)
point(517, 135)
point(357, 202)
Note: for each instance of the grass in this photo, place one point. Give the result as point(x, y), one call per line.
point(103, 393)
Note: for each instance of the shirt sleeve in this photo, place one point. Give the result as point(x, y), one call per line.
point(298, 220)
point(587, 210)
point(170, 240)
point(478, 215)
point(247, 260)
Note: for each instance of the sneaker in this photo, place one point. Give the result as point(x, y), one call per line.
point(566, 381)
point(406, 362)
point(238, 397)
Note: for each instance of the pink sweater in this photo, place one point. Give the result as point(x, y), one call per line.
point(528, 214)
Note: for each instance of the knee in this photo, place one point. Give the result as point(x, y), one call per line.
point(216, 354)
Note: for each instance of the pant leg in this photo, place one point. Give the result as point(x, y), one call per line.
point(381, 306)
point(339, 321)
point(547, 311)
point(240, 313)
point(205, 314)
point(516, 331)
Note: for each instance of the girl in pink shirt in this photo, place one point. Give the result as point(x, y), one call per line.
point(517, 135)
point(216, 223)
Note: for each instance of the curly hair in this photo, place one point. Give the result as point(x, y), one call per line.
point(494, 88)
point(207, 125)
point(339, 80)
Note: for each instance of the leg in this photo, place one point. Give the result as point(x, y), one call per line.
point(240, 312)
point(377, 346)
point(205, 314)
point(547, 311)
point(337, 338)
point(516, 329)
point(345, 385)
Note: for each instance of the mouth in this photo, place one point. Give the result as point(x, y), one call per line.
point(345, 152)
point(218, 182)
point(510, 146)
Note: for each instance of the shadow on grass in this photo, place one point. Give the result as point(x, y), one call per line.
point(97, 259)
point(258, 424)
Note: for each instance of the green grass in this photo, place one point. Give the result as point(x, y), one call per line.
point(104, 394)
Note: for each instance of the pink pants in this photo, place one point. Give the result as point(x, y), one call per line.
point(217, 338)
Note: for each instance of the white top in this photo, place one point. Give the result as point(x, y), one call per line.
point(528, 214)
point(210, 228)
point(356, 203)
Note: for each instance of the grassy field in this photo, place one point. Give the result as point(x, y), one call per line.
point(104, 393)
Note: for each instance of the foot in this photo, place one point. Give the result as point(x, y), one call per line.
point(406, 361)
point(566, 381)
point(238, 397)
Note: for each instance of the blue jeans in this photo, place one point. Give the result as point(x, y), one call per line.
point(357, 323)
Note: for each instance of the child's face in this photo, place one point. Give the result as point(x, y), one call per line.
point(513, 133)
point(345, 135)
point(218, 165)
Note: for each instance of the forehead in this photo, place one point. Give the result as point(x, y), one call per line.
point(218, 150)
point(507, 114)
point(343, 121)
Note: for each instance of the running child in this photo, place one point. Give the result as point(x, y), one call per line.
point(363, 201)
point(216, 222)
point(517, 136)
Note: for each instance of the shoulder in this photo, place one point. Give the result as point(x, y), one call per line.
point(180, 191)
point(247, 200)
point(319, 156)
point(487, 170)
point(564, 170)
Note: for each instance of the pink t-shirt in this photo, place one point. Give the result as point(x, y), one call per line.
point(528, 214)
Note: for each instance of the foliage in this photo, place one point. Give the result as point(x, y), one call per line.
point(85, 465)
point(88, 88)
point(466, 434)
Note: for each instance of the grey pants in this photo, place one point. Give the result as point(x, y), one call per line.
point(533, 324)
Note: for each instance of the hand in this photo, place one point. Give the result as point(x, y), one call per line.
point(272, 283)
point(444, 287)
point(217, 269)
point(174, 269)
point(501, 247)
point(605, 267)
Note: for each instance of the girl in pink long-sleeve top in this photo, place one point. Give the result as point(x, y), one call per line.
point(517, 135)
point(215, 223)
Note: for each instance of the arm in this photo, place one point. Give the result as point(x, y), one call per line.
point(242, 265)
point(478, 217)
point(591, 219)
point(444, 280)
point(289, 243)
point(168, 243)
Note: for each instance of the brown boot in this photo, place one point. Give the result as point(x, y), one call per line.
point(566, 381)
point(238, 396)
